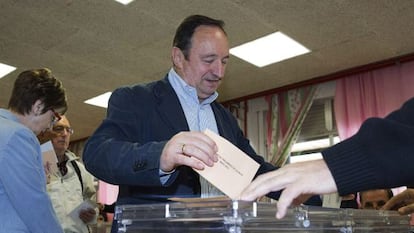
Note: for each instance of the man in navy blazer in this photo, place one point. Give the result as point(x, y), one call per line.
point(151, 132)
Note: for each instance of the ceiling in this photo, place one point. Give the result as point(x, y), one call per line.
point(95, 46)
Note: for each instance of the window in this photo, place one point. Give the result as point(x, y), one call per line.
point(318, 132)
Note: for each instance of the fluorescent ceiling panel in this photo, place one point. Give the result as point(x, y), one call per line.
point(6, 69)
point(125, 2)
point(269, 49)
point(100, 100)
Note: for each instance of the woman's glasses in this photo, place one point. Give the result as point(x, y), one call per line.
point(56, 117)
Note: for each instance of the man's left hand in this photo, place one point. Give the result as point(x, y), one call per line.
point(87, 215)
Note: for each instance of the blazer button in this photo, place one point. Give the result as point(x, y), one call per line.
point(138, 166)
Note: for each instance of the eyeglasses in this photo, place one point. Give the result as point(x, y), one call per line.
point(61, 129)
point(56, 117)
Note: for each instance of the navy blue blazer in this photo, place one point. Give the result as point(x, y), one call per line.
point(126, 148)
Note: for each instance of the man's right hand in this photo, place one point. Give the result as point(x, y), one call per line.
point(297, 180)
point(193, 149)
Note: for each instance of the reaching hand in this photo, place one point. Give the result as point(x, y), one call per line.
point(403, 202)
point(193, 149)
point(297, 181)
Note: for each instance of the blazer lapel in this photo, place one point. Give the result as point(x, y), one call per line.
point(222, 126)
point(168, 106)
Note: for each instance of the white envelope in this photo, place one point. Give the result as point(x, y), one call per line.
point(234, 170)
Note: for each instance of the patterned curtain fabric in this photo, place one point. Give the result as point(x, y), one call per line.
point(239, 112)
point(373, 93)
point(285, 117)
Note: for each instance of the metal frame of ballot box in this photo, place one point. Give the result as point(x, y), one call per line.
point(252, 217)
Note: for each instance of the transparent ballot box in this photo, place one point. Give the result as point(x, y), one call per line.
point(250, 217)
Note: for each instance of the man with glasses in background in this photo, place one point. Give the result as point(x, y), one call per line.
point(72, 185)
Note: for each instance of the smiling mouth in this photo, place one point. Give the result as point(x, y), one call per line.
point(213, 80)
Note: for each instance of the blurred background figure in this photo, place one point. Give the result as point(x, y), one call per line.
point(374, 199)
point(72, 185)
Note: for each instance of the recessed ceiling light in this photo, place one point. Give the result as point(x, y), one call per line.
point(100, 100)
point(125, 2)
point(269, 49)
point(6, 69)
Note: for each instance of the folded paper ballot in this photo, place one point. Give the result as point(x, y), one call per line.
point(87, 204)
point(49, 158)
point(234, 169)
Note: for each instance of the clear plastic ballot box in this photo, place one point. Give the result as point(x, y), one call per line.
point(251, 217)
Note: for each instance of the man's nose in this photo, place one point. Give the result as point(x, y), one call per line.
point(219, 69)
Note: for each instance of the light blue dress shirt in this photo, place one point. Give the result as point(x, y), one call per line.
point(199, 116)
point(24, 203)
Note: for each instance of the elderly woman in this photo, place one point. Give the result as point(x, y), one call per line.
point(36, 103)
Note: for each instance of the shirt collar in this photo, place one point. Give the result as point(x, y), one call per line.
point(184, 90)
point(8, 115)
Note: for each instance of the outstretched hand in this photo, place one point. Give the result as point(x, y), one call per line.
point(298, 180)
point(403, 202)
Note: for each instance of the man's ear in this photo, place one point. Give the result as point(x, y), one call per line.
point(37, 107)
point(177, 57)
